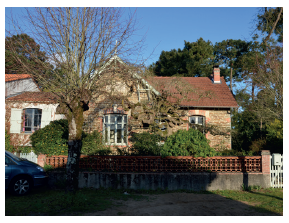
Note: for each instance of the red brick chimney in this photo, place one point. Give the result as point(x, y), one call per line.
point(216, 75)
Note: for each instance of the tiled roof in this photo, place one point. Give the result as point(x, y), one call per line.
point(14, 77)
point(204, 93)
point(41, 97)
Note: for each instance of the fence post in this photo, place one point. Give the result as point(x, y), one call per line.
point(41, 160)
point(266, 166)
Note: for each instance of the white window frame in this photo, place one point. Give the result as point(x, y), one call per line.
point(33, 128)
point(197, 120)
point(108, 123)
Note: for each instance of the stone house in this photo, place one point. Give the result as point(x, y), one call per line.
point(208, 104)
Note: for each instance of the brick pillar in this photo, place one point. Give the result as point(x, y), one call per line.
point(266, 161)
point(41, 160)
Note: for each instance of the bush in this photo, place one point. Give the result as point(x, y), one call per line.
point(52, 139)
point(146, 144)
point(92, 144)
point(187, 143)
point(8, 145)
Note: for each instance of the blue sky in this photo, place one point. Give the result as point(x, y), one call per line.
point(167, 28)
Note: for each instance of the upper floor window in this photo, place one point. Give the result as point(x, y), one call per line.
point(197, 120)
point(115, 129)
point(31, 119)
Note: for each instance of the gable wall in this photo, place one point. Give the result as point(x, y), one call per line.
point(14, 87)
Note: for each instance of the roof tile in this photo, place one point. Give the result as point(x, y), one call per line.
point(14, 77)
point(44, 97)
point(204, 92)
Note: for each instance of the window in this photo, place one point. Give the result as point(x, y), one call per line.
point(31, 119)
point(197, 120)
point(115, 129)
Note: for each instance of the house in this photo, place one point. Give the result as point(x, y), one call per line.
point(27, 108)
point(17, 83)
point(206, 102)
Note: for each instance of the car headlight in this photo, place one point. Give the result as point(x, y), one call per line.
point(40, 168)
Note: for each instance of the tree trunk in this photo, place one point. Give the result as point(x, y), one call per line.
point(253, 90)
point(75, 123)
point(231, 77)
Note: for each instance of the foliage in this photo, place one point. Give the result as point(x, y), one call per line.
point(8, 145)
point(146, 144)
point(275, 136)
point(92, 144)
point(245, 130)
point(52, 139)
point(195, 59)
point(267, 19)
point(187, 143)
point(229, 53)
point(14, 45)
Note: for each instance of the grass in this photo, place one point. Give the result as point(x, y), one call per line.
point(263, 200)
point(56, 202)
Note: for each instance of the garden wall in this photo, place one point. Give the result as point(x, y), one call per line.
point(252, 173)
point(169, 181)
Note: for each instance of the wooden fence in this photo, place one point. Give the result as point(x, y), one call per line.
point(166, 164)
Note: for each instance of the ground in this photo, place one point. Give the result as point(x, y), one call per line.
point(181, 204)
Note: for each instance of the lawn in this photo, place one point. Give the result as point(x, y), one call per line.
point(46, 201)
point(263, 200)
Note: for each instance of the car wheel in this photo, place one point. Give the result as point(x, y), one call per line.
point(20, 186)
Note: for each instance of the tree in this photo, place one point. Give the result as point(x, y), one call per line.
point(80, 41)
point(27, 54)
point(271, 21)
point(195, 59)
point(228, 52)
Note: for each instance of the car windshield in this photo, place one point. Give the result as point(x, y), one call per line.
point(13, 156)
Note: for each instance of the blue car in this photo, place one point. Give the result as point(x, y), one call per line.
point(21, 175)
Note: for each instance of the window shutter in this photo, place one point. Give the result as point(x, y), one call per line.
point(15, 121)
point(45, 117)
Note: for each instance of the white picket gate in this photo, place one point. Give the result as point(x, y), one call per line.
point(29, 156)
point(276, 171)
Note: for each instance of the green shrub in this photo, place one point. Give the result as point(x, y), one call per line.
point(187, 143)
point(8, 145)
point(146, 144)
point(52, 139)
point(92, 144)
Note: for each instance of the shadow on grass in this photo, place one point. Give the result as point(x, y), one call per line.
point(46, 201)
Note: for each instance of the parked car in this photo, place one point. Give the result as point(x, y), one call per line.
point(21, 175)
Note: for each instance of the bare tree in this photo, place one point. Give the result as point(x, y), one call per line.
point(78, 42)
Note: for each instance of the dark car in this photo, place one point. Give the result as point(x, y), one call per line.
point(21, 175)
